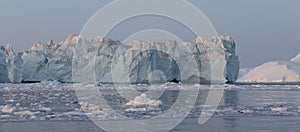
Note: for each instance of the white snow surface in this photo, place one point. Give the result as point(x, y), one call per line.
point(244, 71)
point(275, 71)
point(296, 59)
point(103, 60)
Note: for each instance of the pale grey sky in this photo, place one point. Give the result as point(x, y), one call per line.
point(264, 30)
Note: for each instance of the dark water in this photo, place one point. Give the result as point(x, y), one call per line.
point(220, 124)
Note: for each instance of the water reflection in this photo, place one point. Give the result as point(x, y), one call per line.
point(230, 99)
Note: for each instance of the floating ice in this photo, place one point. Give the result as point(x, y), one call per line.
point(27, 112)
point(279, 109)
point(143, 103)
point(143, 100)
point(7, 109)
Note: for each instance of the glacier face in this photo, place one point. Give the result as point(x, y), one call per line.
point(106, 61)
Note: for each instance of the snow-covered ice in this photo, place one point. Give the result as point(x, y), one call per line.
point(275, 71)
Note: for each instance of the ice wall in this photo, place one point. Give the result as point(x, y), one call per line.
point(106, 61)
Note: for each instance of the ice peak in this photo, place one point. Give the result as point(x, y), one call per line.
point(226, 38)
point(9, 50)
point(214, 39)
point(99, 39)
point(36, 46)
point(296, 59)
point(73, 39)
point(8, 46)
point(202, 40)
point(199, 39)
point(50, 43)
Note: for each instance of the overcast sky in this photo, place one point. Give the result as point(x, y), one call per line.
point(264, 30)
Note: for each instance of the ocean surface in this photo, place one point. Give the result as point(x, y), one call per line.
point(54, 106)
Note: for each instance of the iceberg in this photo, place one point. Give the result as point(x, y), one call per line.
point(275, 71)
point(101, 60)
point(244, 71)
point(296, 59)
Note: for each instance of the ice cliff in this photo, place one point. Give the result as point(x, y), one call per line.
point(6, 57)
point(106, 61)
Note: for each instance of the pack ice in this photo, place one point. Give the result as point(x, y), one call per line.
point(103, 60)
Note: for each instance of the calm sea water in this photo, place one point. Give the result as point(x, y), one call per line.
point(222, 124)
point(244, 108)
